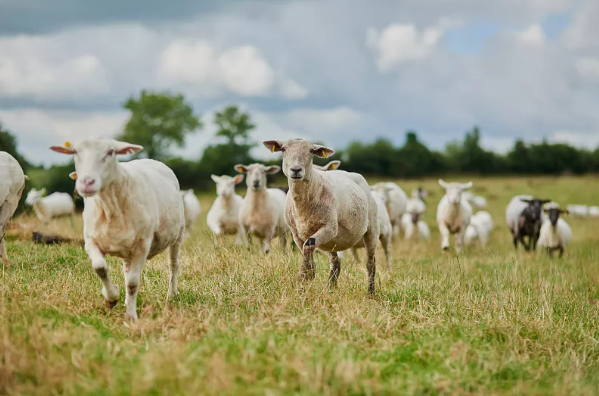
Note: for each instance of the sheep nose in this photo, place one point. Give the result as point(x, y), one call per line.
point(88, 181)
point(295, 170)
point(256, 184)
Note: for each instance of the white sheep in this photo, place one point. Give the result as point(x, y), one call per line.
point(327, 210)
point(476, 201)
point(480, 228)
point(133, 210)
point(594, 211)
point(411, 221)
point(191, 207)
point(453, 214)
point(262, 211)
point(385, 231)
point(54, 205)
point(396, 201)
point(223, 217)
point(555, 232)
point(12, 183)
point(578, 210)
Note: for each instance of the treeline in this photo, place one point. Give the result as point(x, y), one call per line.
point(161, 121)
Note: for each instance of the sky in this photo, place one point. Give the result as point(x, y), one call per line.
point(328, 70)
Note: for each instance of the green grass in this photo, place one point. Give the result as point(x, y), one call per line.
point(488, 322)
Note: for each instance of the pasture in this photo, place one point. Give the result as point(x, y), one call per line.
point(490, 321)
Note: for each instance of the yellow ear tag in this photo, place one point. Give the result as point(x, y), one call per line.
point(334, 167)
point(273, 149)
point(67, 144)
point(325, 154)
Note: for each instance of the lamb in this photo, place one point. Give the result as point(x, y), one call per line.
point(12, 184)
point(524, 217)
point(396, 201)
point(191, 207)
point(453, 214)
point(262, 211)
point(412, 220)
point(385, 231)
point(479, 229)
point(133, 210)
point(54, 205)
point(223, 217)
point(331, 210)
point(555, 232)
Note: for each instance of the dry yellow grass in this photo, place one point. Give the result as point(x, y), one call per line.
point(490, 321)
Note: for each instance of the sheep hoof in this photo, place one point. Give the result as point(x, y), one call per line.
point(445, 248)
point(111, 304)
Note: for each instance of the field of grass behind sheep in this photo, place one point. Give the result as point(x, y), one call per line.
point(490, 321)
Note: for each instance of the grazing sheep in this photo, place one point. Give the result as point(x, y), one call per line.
point(555, 232)
point(385, 231)
point(479, 229)
point(133, 210)
point(12, 183)
point(412, 220)
point(192, 208)
point(524, 216)
point(223, 217)
point(578, 210)
point(54, 205)
point(262, 211)
point(453, 213)
point(594, 211)
point(396, 201)
point(331, 211)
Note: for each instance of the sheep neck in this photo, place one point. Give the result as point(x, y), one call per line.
point(38, 208)
point(112, 200)
point(226, 202)
point(453, 212)
point(303, 191)
point(256, 198)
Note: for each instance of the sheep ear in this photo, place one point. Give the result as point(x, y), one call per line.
point(126, 148)
point(240, 168)
point(238, 179)
point(190, 191)
point(525, 200)
point(73, 175)
point(62, 150)
point(544, 201)
point(565, 212)
point(333, 165)
point(273, 145)
point(321, 151)
point(215, 178)
point(43, 191)
point(466, 186)
point(443, 184)
point(271, 170)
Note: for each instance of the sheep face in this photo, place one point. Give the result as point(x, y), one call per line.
point(453, 191)
point(256, 174)
point(554, 214)
point(297, 156)
point(95, 162)
point(34, 196)
point(533, 210)
point(225, 185)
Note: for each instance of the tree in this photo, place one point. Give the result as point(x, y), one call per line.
point(159, 121)
point(8, 143)
point(234, 126)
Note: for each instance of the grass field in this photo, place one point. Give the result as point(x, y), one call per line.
point(488, 322)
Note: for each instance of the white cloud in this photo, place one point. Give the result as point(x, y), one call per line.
point(400, 43)
point(588, 139)
point(533, 35)
point(292, 90)
point(321, 122)
point(588, 68)
point(245, 71)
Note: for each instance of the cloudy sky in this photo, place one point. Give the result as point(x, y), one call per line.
point(330, 70)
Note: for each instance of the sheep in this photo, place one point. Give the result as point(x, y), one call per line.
point(578, 210)
point(594, 211)
point(555, 232)
point(412, 220)
point(54, 205)
point(331, 211)
point(262, 211)
point(396, 201)
point(453, 213)
point(476, 201)
point(12, 184)
point(191, 207)
point(133, 210)
point(385, 231)
point(419, 193)
point(524, 216)
point(479, 229)
point(223, 217)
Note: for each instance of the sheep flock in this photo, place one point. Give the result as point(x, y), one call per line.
point(135, 210)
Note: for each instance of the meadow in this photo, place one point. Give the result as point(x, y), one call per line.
point(491, 321)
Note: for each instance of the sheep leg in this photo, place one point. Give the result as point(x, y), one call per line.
point(266, 243)
point(6, 212)
point(283, 238)
point(335, 268)
point(444, 235)
point(386, 242)
point(132, 280)
point(354, 251)
point(561, 251)
point(174, 267)
point(526, 246)
point(371, 239)
point(459, 239)
point(307, 271)
point(109, 289)
point(246, 239)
